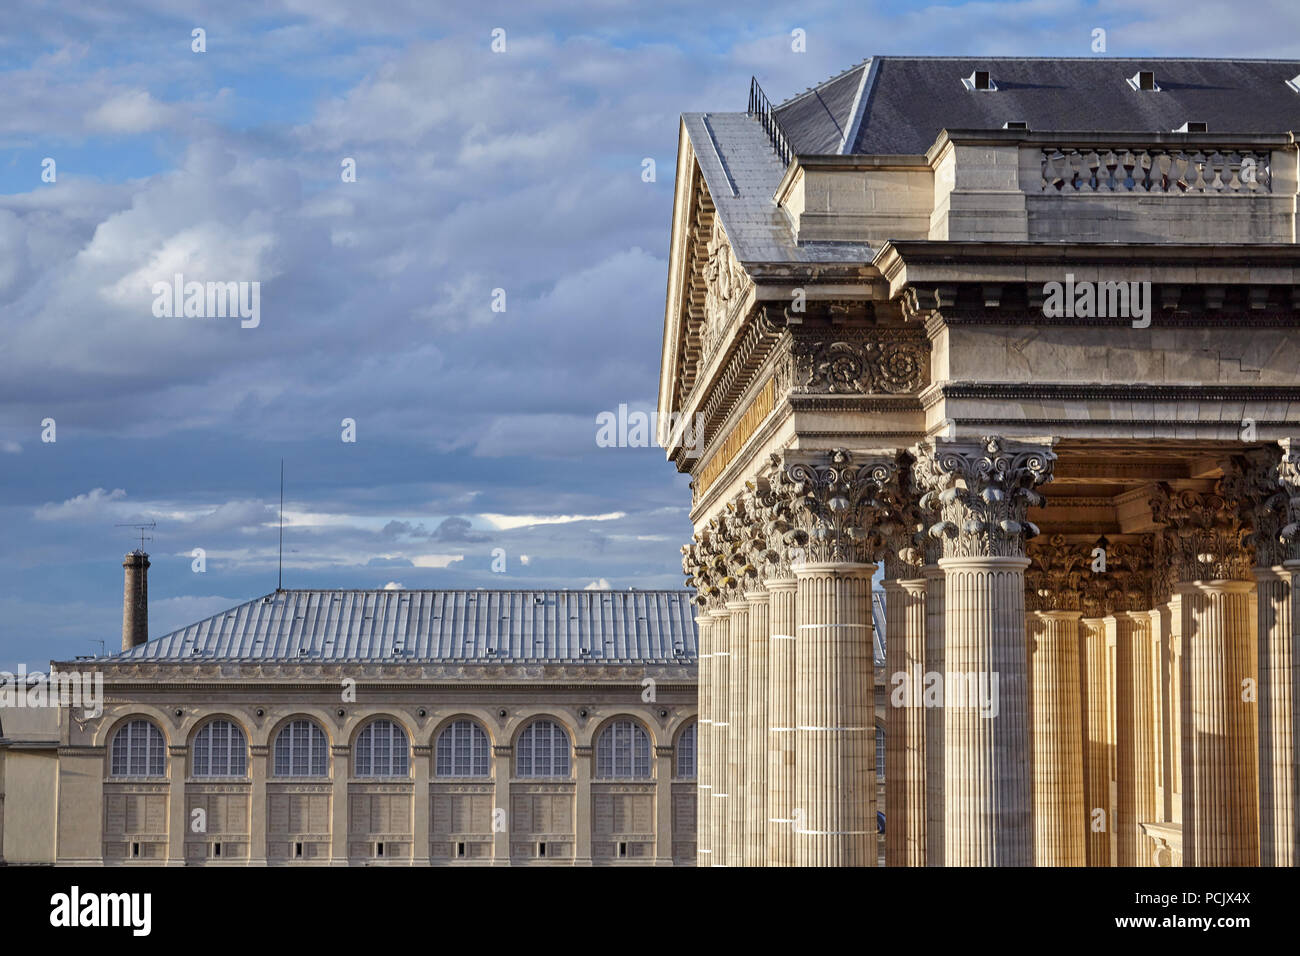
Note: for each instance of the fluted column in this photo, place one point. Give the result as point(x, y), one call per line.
point(737, 720)
point(1060, 820)
point(781, 694)
point(721, 708)
point(934, 749)
point(1096, 735)
point(703, 735)
point(756, 732)
point(984, 490)
point(1135, 740)
point(1214, 581)
point(905, 767)
point(835, 789)
point(1277, 764)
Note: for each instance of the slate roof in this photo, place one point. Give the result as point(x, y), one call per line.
point(910, 99)
point(612, 627)
point(742, 173)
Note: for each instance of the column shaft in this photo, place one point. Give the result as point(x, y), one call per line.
point(756, 725)
point(1134, 737)
point(703, 742)
point(737, 719)
point(987, 790)
point(780, 717)
point(1220, 647)
point(720, 698)
point(934, 665)
point(1060, 821)
point(1277, 752)
point(905, 767)
point(835, 798)
point(1096, 737)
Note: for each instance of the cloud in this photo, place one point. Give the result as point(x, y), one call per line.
point(393, 586)
point(95, 503)
point(11, 447)
point(506, 522)
point(600, 584)
point(134, 111)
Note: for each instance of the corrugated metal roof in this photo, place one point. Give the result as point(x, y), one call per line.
point(613, 627)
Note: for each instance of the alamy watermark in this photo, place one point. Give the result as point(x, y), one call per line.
point(955, 689)
point(57, 689)
point(1098, 300)
point(636, 429)
point(209, 300)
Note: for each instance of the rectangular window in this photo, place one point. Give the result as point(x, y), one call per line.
point(541, 849)
point(297, 850)
point(460, 849)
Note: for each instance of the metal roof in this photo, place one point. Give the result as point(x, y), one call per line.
point(611, 627)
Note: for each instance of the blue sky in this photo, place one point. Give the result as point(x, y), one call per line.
point(475, 171)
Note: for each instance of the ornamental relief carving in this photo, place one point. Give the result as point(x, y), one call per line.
point(1269, 481)
point(725, 286)
point(836, 504)
point(867, 362)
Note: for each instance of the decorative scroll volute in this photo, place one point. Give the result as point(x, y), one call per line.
point(984, 492)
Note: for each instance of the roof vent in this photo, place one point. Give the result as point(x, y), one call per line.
point(979, 80)
point(1144, 80)
point(1294, 83)
point(1194, 126)
point(1016, 124)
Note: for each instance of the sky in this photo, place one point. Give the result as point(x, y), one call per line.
point(488, 283)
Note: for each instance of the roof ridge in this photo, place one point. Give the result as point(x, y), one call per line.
point(813, 89)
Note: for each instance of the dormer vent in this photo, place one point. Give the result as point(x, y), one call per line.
point(1144, 81)
point(979, 80)
point(1016, 124)
point(1194, 126)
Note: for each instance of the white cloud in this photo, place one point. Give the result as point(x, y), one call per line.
point(435, 560)
point(11, 447)
point(507, 522)
point(94, 503)
point(600, 584)
point(394, 586)
point(134, 111)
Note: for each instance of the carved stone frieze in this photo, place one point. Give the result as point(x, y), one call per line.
point(725, 286)
point(857, 362)
point(984, 491)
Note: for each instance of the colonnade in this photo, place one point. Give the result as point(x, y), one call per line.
point(1052, 699)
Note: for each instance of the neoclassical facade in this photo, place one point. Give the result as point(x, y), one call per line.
point(1020, 338)
point(376, 728)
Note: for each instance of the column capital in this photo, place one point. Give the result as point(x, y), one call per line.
point(1266, 483)
point(983, 490)
point(835, 502)
point(1203, 532)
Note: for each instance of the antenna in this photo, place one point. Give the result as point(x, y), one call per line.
point(279, 580)
point(142, 529)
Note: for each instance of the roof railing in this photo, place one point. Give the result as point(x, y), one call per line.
point(761, 108)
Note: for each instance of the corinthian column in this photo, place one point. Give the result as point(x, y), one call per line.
point(984, 490)
point(703, 728)
point(835, 503)
point(934, 749)
point(1213, 573)
point(737, 716)
point(1272, 507)
point(1098, 752)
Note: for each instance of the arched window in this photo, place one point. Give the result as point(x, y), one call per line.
point(220, 750)
point(623, 750)
point(543, 750)
point(138, 751)
point(686, 751)
point(301, 750)
point(463, 751)
point(382, 751)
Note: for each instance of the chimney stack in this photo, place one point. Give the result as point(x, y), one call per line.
point(135, 600)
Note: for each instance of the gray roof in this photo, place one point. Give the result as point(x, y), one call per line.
point(742, 173)
point(909, 99)
point(611, 627)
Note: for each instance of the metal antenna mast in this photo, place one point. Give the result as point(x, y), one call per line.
point(142, 529)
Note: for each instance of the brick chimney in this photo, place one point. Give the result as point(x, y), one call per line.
point(135, 600)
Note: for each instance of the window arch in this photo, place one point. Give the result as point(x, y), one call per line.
point(686, 750)
point(623, 750)
point(301, 750)
point(220, 750)
point(542, 750)
point(463, 751)
point(138, 751)
point(382, 751)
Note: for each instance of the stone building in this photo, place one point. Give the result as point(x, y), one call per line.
point(391, 727)
point(1021, 334)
